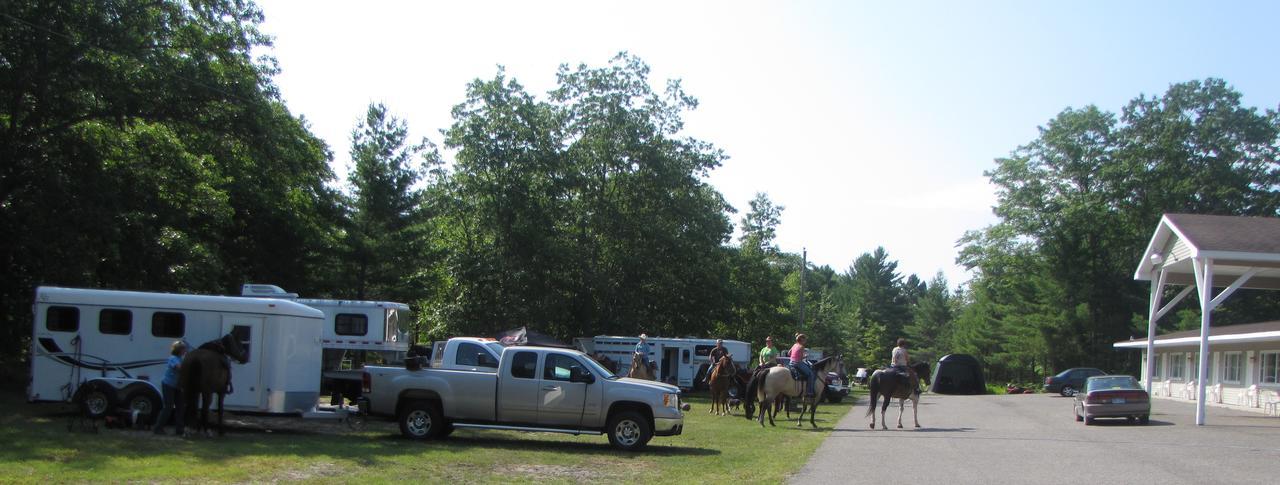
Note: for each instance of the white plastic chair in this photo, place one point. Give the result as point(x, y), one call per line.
point(1189, 390)
point(1168, 388)
point(1272, 405)
point(1250, 397)
point(1156, 389)
point(1215, 393)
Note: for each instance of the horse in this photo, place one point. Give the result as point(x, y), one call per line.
point(890, 386)
point(205, 371)
point(639, 370)
point(722, 376)
point(765, 386)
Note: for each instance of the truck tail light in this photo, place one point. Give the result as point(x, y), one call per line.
point(366, 383)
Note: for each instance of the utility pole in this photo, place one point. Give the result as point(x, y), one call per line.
point(804, 269)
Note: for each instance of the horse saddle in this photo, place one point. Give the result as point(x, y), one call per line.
point(795, 373)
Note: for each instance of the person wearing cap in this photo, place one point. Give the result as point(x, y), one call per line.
point(768, 354)
point(642, 350)
point(172, 394)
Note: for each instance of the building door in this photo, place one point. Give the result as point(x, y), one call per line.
point(245, 378)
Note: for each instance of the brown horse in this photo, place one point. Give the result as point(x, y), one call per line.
point(722, 376)
point(206, 371)
point(639, 370)
point(891, 385)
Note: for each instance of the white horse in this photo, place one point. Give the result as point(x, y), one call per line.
point(765, 386)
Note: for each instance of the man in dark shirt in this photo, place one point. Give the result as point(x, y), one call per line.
point(713, 358)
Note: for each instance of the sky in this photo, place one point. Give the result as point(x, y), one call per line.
point(870, 122)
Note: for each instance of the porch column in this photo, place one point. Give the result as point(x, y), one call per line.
point(1157, 290)
point(1204, 283)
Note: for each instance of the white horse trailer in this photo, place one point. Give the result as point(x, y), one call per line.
point(106, 349)
point(680, 361)
point(355, 333)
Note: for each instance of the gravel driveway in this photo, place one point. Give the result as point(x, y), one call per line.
point(1034, 439)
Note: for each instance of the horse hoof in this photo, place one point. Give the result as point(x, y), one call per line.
point(917, 426)
point(899, 426)
point(873, 425)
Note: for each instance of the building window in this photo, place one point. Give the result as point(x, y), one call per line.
point(168, 324)
point(351, 324)
point(1231, 367)
point(1159, 367)
point(1177, 362)
point(1269, 371)
point(115, 322)
point(62, 319)
point(1194, 363)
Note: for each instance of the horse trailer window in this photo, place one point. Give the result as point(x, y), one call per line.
point(168, 324)
point(350, 324)
point(524, 365)
point(62, 319)
point(703, 350)
point(115, 322)
point(244, 334)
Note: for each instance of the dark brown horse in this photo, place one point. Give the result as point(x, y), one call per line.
point(207, 371)
point(891, 385)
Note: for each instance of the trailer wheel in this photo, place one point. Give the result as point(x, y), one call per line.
point(629, 431)
point(420, 420)
point(146, 403)
point(96, 400)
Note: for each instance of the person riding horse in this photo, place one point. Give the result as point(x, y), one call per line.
point(798, 354)
point(642, 350)
point(900, 364)
point(713, 358)
point(768, 354)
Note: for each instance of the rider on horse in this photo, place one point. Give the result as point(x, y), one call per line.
point(900, 364)
point(768, 354)
point(798, 353)
point(642, 351)
point(713, 358)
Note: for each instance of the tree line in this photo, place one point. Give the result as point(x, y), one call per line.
point(145, 146)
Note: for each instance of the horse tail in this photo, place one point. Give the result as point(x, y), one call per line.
point(873, 384)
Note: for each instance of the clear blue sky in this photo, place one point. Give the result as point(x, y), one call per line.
point(871, 122)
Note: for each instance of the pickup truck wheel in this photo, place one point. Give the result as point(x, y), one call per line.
point(629, 431)
point(420, 420)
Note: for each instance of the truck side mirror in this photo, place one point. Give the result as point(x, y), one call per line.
point(580, 375)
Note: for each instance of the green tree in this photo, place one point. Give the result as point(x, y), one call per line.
point(876, 298)
point(385, 240)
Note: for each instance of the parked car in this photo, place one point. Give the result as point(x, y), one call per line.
point(1114, 396)
point(478, 383)
point(1071, 380)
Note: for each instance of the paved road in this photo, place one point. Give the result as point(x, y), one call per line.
point(1034, 439)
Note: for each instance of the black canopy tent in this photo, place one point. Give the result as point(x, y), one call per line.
point(959, 374)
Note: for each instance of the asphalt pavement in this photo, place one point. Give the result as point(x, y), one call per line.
point(1034, 438)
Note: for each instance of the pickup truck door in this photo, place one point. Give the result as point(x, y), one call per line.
point(560, 402)
point(518, 388)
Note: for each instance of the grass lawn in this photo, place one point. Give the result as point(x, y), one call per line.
point(39, 448)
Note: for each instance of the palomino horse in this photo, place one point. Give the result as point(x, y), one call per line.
point(639, 370)
point(722, 376)
point(204, 372)
point(891, 385)
point(767, 385)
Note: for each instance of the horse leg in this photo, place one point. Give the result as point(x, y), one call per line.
point(221, 430)
point(902, 405)
point(915, 408)
point(813, 409)
point(205, 402)
point(884, 422)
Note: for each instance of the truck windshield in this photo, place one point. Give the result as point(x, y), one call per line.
point(598, 369)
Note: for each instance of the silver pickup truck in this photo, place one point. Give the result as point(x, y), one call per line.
point(478, 383)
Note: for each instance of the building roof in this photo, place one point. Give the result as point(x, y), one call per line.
point(1248, 332)
point(1236, 245)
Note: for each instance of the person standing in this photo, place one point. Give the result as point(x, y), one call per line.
point(798, 354)
point(172, 394)
point(768, 354)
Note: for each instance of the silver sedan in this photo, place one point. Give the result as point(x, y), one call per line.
point(1112, 396)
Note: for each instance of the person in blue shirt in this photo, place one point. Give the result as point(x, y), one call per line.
point(173, 405)
point(642, 350)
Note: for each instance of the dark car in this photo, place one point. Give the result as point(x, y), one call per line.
point(1112, 397)
point(1071, 380)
